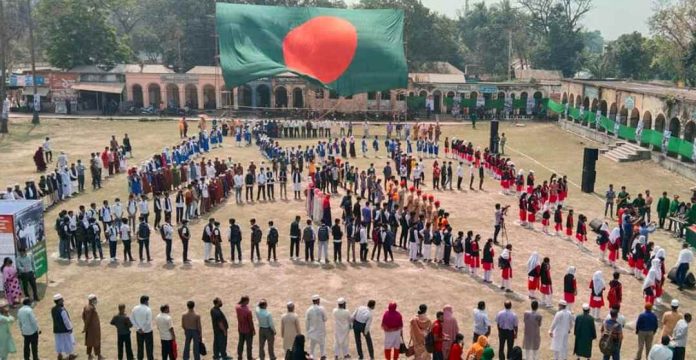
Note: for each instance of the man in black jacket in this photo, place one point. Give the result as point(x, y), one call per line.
point(256, 235)
point(234, 235)
point(295, 234)
point(337, 235)
point(272, 240)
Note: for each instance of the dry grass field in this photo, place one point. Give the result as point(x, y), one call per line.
point(542, 147)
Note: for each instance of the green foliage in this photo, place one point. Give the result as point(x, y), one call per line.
point(632, 57)
point(76, 32)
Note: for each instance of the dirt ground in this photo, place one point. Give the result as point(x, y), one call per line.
point(542, 147)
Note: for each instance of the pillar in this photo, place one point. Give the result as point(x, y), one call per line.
point(291, 101)
point(253, 97)
point(201, 98)
point(182, 95)
point(146, 96)
point(218, 97)
point(235, 99)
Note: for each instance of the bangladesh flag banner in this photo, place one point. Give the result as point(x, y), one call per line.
point(349, 51)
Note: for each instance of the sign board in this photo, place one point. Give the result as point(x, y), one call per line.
point(22, 226)
point(630, 102)
point(26, 80)
point(179, 78)
point(488, 89)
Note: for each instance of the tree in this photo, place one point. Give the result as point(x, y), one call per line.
point(674, 28)
point(593, 41)
point(76, 32)
point(631, 56)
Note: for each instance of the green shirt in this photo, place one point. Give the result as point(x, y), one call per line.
point(25, 264)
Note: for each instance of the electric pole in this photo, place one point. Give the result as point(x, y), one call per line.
point(35, 118)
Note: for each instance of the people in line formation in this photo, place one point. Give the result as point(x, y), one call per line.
point(68, 178)
point(439, 338)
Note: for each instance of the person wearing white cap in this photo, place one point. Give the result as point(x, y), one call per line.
point(560, 331)
point(92, 329)
point(315, 322)
point(341, 329)
point(289, 327)
point(62, 329)
point(670, 318)
point(585, 333)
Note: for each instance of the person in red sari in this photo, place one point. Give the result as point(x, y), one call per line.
point(39, 160)
point(105, 159)
point(570, 287)
point(533, 274)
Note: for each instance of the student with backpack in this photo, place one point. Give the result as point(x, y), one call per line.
point(144, 239)
point(612, 336)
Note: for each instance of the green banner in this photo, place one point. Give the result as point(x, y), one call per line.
point(647, 136)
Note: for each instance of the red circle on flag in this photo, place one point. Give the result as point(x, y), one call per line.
point(322, 47)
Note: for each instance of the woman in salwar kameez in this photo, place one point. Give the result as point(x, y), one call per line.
point(13, 292)
point(420, 326)
point(7, 345)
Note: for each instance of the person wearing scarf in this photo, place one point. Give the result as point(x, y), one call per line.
point(614, 245)
point(597, 286)
point(420, 326)
point(638, 250)
point(506, 268)
point(570, 287)
point(392, 324)
point(533, 274)
point(650, 282)
point(660, 255)
point(450, 329)
point(480, 349)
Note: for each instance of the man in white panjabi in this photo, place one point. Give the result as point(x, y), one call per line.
point(560, 330)
point(342, 322)
point(315, 321)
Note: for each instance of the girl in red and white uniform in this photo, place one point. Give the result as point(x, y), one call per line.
point(530, 182)
point(558, 220)
point(569, 224)
point(553, 194)
point(475, 259)
point(545, 219)
point(637, 259)
point(603, 240)
point(519, 182)
point(562, 189)
point(650, 282)
point(544, 192)
point(659, 289)
point(581, 231)
point(506, 268)
point(487, 260)
point(533, 274)
point(546, 287)
point(614, 245)
point(531, 211)
point(523, 209)
point(597, 286)
point(570, 287)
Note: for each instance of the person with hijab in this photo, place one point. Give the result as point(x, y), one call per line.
point(298, 349)
point(39, 160)
point(450, 329)
point(533, 274)
point(506, 268)
point(614, 245)
point(420, 326)
point(392, 324)
point(659, 283)
point(650, 282)
point(570, 287)
point(477, 348)
point(597, 286)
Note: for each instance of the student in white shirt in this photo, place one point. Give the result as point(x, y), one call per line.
point(141, 317)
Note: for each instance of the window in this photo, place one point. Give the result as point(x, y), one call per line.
point(319, 93)
point(385, 95)
point(400, 97)
point(372, 95)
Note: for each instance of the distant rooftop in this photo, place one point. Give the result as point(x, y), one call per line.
point(654, 89)
point(528, 74)
point(144, 69)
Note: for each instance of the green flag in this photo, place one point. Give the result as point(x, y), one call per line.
point(350, 51)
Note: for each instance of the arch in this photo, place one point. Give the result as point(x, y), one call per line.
point(137, 95)
point(612, 111)
point(297, 98)
point(659, 123)
point(675, 126)
point(501, 96)
point(209, 98)
point(635, 117)
point(623, 116)
point(538, 95)
point(319, 93)
point(437, 101)
point(400, 96)
point(372, 95)
point(263, 96)
point(690, 131)
point(173, 100)
point(647, 120)
point(226, 97)
point(154, 94)
point(586, 103)
point(572, 100)
point(423, 93)
point(450, 94)
point(595, 103)
point(564, 98)
point(473, 96)
point(385, 95)
point(191, 93)
point(244, 95)
point(578, 101)
point(281, 97)
point(603, 107)
point(411, 94)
